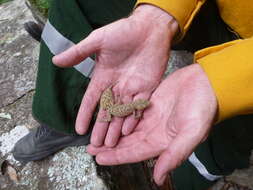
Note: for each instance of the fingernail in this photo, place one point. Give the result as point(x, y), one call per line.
point(89, 149)
point(110, 143)
point(100, 160)
point(124, 132)
point(54, 59)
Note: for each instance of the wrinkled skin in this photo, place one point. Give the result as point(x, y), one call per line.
point(183, 109)
point(130, 53)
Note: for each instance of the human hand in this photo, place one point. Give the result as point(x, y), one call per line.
point(183, 110)
point(131, 53)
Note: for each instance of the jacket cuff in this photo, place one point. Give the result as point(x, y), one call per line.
point(182, 10)
point(229, 68)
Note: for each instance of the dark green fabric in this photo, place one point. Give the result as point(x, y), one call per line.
point(231, 142)
point(59, 91)
point(67, 17)
point(186, 177)
point(102, 12)
point(227, 148)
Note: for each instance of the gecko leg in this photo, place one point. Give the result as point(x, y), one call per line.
point(108, 117)
point(137, 114)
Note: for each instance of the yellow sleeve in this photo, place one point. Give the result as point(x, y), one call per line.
point(182, 10)
point(229, 68)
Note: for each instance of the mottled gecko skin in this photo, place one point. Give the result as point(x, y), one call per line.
point(120, 110)
point(107, 99)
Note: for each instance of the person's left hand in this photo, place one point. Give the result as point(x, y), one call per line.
point(132, 54)
point(183, 109)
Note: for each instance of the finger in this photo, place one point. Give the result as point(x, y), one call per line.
point(100, 129)
point(88, 106)
point(80, 51)
point(124, 142)
point(131, 121)
point(139, 150)
point(94, 150)
point(114, 132)
point(179, 150)
point(115, 126)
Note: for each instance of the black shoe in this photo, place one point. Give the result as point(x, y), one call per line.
point(34, 29)
point(43, 141)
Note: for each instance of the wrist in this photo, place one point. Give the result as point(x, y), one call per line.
point(195, 75)
point(154, 15)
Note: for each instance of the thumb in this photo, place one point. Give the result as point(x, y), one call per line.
point(80, 51)
point(178, 151)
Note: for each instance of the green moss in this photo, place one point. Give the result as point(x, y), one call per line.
point(41, 5)
point(3, 1)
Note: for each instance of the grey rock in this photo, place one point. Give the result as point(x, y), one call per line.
point(69, 169)
point(18, 55)
point(178, 59)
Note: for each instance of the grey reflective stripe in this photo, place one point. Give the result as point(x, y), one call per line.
point(201, 168)
point(57, 43)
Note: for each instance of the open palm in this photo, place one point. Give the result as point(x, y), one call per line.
point(131, 54)
point(183, 109)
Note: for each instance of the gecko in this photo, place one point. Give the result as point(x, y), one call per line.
point(120, 110)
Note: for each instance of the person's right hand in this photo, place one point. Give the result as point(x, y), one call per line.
point(132, 55)
point(182, 112)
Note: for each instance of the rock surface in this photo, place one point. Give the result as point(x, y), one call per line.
point(71, 168)
point(18, 53)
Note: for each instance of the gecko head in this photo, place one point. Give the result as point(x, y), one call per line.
point(141, 104)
